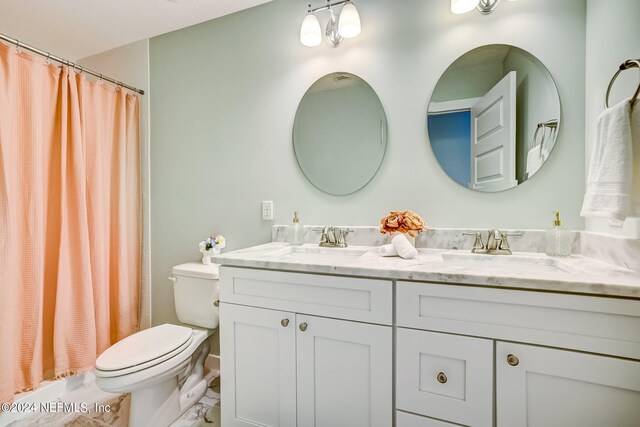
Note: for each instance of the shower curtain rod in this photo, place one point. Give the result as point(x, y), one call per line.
point(68, 63)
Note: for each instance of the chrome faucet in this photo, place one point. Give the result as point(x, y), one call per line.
point(497, 242)
point(493, 242)
point(328, 237)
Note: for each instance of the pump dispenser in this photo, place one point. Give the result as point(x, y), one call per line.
point(558, 238)
point(295, 235)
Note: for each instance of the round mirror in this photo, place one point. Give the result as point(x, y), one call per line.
point(493, 117)
point(340, 133)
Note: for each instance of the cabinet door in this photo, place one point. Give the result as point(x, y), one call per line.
point(344, 373)
point(540, 387)
point(257, 357)
point(449, 377)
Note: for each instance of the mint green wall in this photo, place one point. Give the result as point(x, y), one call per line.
point(224, 95)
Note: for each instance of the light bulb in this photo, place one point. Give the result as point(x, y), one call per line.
point(463, 6)
point(310, 32)
point(349, 23)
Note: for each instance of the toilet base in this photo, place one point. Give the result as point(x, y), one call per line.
point(164, 402)
point(155, 406)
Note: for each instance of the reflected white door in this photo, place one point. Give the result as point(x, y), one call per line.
point(493, 138)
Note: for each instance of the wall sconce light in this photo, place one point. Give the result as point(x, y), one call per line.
point(483, 6)
point(347, 26)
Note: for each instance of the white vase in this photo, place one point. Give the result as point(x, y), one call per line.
point(206, 257)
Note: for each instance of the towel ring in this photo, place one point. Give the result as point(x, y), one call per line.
point(535, 136)
point(628, 64)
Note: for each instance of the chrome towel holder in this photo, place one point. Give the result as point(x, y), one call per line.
point(549, 124)
point(626, 65)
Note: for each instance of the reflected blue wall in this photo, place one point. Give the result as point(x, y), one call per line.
point(450, 136)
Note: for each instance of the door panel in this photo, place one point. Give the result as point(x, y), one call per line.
point(560, 388)
point(258, 361)
point(344, 373)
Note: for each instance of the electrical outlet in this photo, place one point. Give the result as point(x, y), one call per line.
point(267, 210)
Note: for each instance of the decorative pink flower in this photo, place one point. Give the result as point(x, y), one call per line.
point(402, 222)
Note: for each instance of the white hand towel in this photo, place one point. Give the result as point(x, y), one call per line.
point(634, 208)
point(534, 160)
point(404, 248)
point(609, 183)
point(387, 250)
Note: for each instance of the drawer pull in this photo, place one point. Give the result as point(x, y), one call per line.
point(442, 378)
point(512, 360)
point(284, 322)
point(303, 327)
point(216, 303)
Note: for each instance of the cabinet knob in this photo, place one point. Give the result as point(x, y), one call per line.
point(284, 322)
point(303, 327)
point(216, 303)
point(512, 360)
point(442, 378)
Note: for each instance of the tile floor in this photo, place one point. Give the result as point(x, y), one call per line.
point(206, 412)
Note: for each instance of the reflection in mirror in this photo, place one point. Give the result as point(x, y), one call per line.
point(493, 118)
point(340, 133)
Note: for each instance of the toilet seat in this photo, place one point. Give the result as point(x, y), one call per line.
point(143, 350)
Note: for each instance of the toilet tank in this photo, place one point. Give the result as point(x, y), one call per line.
point(195, 289)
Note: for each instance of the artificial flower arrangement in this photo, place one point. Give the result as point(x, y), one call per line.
point(405, 222)
point(211, 246)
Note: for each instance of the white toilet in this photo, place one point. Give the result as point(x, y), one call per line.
point(163, 367)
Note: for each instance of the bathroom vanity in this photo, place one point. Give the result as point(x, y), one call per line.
point(343, 337)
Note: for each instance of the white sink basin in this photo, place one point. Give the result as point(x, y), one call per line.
point(519, 263)
point(317, 253)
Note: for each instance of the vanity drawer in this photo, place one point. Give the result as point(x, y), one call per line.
point(579, 322)
point(445, 376)
point(366, 300)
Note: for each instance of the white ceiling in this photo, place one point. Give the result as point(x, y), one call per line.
point(75, 29)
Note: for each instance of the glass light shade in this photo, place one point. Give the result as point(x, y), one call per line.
point(349, 24)
point(463, 6)
point(310, 32)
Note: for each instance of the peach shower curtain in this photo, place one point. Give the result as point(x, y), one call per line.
point(70, 239)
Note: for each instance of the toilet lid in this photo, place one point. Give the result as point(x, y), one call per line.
point(145, 346)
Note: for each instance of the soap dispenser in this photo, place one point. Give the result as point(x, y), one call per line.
point(295, 235)
point(558, 238)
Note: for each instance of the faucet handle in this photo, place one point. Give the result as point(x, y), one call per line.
point(504, 243)
point(342, 237)
point(478, 245)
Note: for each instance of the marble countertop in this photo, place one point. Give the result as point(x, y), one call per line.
point(532, 271)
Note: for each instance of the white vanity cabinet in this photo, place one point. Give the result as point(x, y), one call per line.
point(305, 350)
point(591, 378)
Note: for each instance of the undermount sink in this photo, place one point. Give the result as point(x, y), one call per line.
point(317, 253)
point(530, 263)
